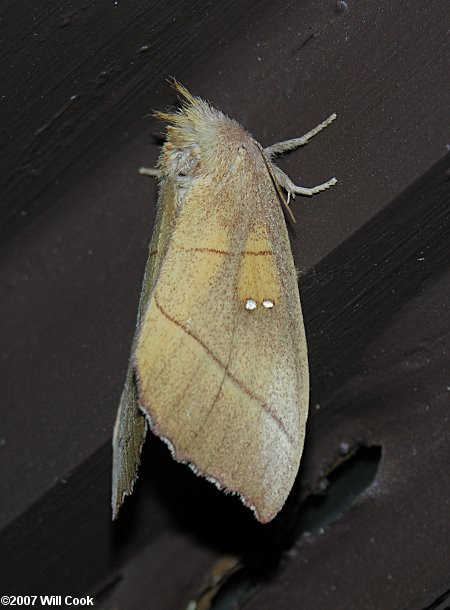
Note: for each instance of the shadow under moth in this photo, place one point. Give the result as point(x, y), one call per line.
point(219, 365)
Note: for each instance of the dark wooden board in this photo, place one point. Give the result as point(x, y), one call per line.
point(76, 219)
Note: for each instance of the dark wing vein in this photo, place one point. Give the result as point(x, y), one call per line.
point(227, 373)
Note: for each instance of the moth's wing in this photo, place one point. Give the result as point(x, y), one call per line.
point(129, 435)
point(225, 386)
point(131, 427)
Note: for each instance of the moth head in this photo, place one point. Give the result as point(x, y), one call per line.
point(181, 164)
point(202, 142)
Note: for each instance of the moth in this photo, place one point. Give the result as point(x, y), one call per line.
point(219, 365)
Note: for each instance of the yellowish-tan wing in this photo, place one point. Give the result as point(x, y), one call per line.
point(220, 354)
point(130, 427)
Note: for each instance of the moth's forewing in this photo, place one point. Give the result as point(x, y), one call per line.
point(130, 427)
point(129, 434)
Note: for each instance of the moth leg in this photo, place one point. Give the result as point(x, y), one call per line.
point(281, 147)
point(284, 180)
point(293, 190)
point(150, 171)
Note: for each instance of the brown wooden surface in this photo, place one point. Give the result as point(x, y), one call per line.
point(76, 219)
